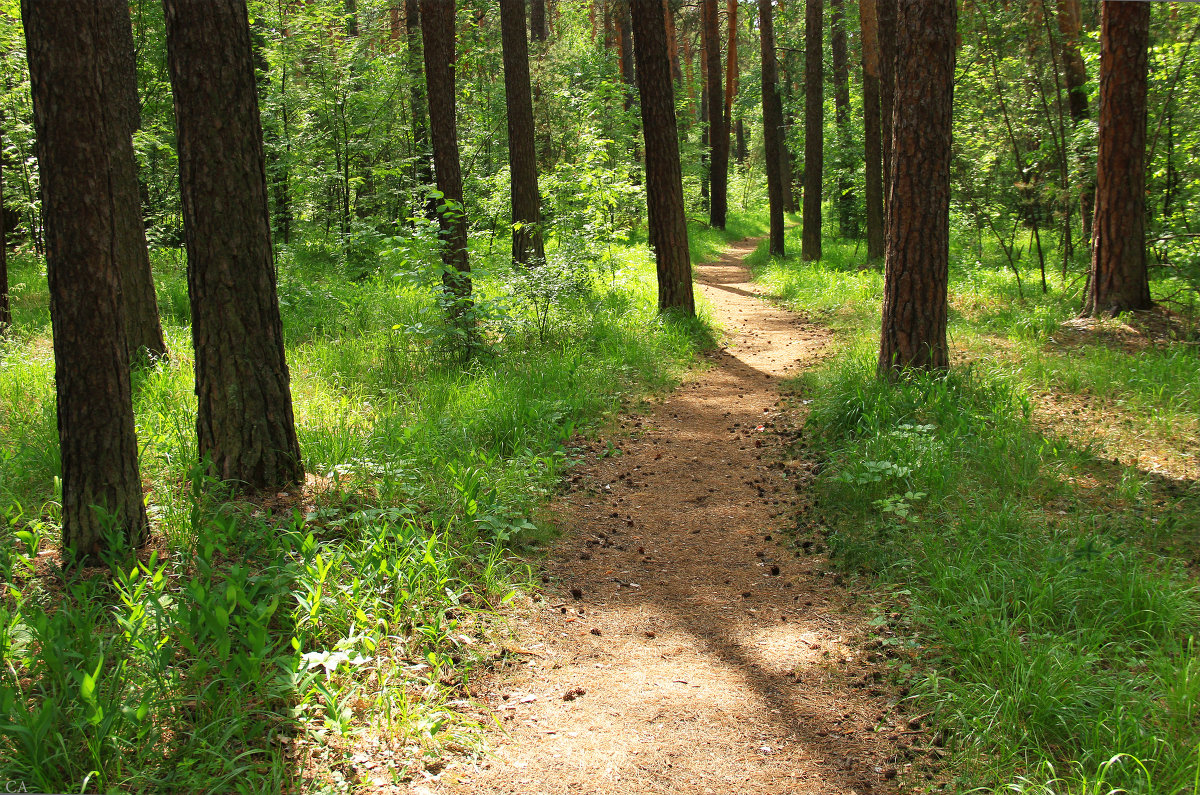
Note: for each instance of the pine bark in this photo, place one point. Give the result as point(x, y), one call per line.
point(814, 127)
point(718, 135)
point(142, 323)
point(664, 176)
point(872, 136)
point(772, 126)
point(918, 236)
point(885, 11)
point(522, 156)
point(437, 28)
point(244, 424)
point(68, 73)
point(1118, 279)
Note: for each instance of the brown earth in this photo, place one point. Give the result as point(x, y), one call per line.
point(683, 645)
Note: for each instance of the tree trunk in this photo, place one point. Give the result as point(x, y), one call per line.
point(537, 21)
point(351, 18)
point(885, 11)
point(731, 73)
point(841, 102)
point(68, 72)
point(121, 101)
point(772, 126)
point(420, 132)
point(625, 28)
point(5, 308)
point(672, 42)
point(872, 138)
point(1118, 280)
point(718, 135)
point(740, 126)
point(664, 177)
point(244, 424)
point(787, 158)
point(814, 127)
point(437, 28)
point(1070, 25)
point(918, 235)
point(522, 158)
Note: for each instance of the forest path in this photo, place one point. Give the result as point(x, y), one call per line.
point(684, 649)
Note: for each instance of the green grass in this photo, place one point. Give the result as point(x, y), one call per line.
point(1039, 629)
point(351, 617)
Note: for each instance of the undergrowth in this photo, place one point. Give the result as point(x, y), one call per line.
point(257, 645)
point(1043, 635)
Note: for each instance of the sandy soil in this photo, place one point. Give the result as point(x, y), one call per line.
point(684, 646)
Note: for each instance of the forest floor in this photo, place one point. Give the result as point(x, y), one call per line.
point(682, 645)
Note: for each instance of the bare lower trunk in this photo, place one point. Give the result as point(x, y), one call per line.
point(244, 422)
point(101, 486)
point(872, 138)
point(772, 106)
point(814, 127)
point(664, 177)
point(1118, 280)
point(918, 235)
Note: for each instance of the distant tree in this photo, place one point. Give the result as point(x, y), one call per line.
point(1118, 280)
point(537, 21)
point(844, 201)
point(244, 420)
point(918, 234)
point(522, 156)
point(417, 104)
point(885, 13)
point(664, 176)
point(1070, 25)
point(872, 134)
point(772, 106)
point(814, 127)
point(142, 323)
point(718, 134)
point(5, 308)
point(437, 30)
point(731, 79)
point(68, 71)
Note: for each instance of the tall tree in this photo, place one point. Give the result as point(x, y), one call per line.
point(244, 420)
point(772, 106)
point(885, 11)
point(437, 29)
point(718, 135)
point(841, 104)
point(1118, 280)
point(68, 71)
point(918, 234)
point(522, 157)
point(664, 176)
point(814, 126)
point(142, 323)
point(872, 135)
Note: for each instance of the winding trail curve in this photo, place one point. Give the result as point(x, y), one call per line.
point(684, 648)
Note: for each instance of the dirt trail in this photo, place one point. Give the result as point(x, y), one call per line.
point(683, 648)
